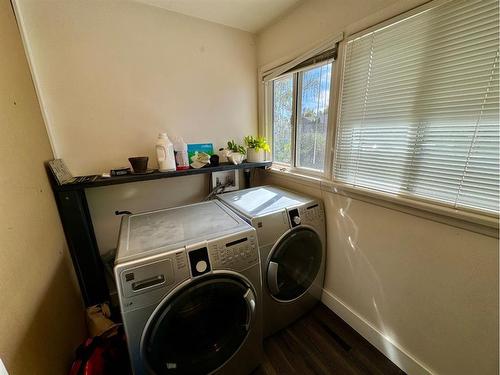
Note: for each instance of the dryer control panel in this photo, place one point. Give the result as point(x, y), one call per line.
point(236, 253)
point(311, 214)
point(307, 214)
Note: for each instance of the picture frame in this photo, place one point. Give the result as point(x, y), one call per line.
point(229, 178)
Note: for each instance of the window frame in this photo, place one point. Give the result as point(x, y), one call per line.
point(268, 121)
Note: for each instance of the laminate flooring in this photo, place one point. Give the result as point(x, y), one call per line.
point(322, 343)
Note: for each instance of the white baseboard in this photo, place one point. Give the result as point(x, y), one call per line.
point(396, 354)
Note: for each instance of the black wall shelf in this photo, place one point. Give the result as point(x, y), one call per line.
point(156, 175)
point(79, 231)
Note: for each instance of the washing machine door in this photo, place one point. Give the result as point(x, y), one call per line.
point(294, 263)
point(199, 328)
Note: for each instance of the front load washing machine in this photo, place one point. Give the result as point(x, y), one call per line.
point(189, 287)
point(292, 241)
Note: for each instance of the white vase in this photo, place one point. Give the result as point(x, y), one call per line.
point(235, 158)
point(255, 156)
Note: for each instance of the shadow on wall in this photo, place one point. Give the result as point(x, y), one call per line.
point(46, 348)
point(359, 264)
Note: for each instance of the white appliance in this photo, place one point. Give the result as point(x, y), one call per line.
point(189, 287)
point(292, 240)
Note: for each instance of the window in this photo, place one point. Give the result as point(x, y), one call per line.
point(419, 107)
point(300, 102)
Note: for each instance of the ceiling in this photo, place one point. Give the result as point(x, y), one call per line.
point(247, 15)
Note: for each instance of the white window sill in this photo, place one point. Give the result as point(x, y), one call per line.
point(475, 222)
point(304, 179)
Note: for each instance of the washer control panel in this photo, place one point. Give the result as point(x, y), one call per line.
point(235, 252)
point(198, 261)
point(141, 283)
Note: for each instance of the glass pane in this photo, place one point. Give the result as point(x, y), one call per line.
point(299, 258)
point(200, 329)
point(313, 116)
point(282, 119)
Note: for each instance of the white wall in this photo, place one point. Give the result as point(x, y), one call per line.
point(425, 293)
point(112, 74)
point(315, 20)
point(41, 311)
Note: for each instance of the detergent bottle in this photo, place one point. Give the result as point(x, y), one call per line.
point(165, 153)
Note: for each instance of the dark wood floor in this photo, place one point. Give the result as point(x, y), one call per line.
point(322, 343)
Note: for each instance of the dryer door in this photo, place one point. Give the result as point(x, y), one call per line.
point(198, 328)
point(294, 263)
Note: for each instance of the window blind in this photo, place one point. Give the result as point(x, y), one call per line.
point(419, 108)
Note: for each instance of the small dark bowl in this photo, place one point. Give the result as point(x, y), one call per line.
point(214, 160)
point(139, 163)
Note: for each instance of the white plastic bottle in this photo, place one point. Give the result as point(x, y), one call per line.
point(165, 153)
point(181, 153)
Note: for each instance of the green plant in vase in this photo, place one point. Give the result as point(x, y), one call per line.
point(257, 148)
point(236, 153)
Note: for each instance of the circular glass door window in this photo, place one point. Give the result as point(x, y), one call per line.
point(198, 329)
point(294, 264)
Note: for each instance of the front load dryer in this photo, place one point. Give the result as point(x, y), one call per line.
point(292, 242)
point(189, 287)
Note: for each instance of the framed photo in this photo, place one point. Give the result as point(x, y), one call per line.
point(229, 180)
point(193, 148)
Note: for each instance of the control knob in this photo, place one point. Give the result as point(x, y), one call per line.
point(201, 266)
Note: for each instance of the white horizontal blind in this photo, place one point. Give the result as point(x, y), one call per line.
point(419, 110)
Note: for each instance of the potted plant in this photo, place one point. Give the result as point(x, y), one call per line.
point(257, 148)
point(236, 152)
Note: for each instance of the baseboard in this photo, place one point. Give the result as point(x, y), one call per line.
point(396, 354)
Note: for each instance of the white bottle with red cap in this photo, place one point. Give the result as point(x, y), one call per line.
point(181, 154)
point(165, 153)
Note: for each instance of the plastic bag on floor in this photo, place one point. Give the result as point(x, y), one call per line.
point(103, 355)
